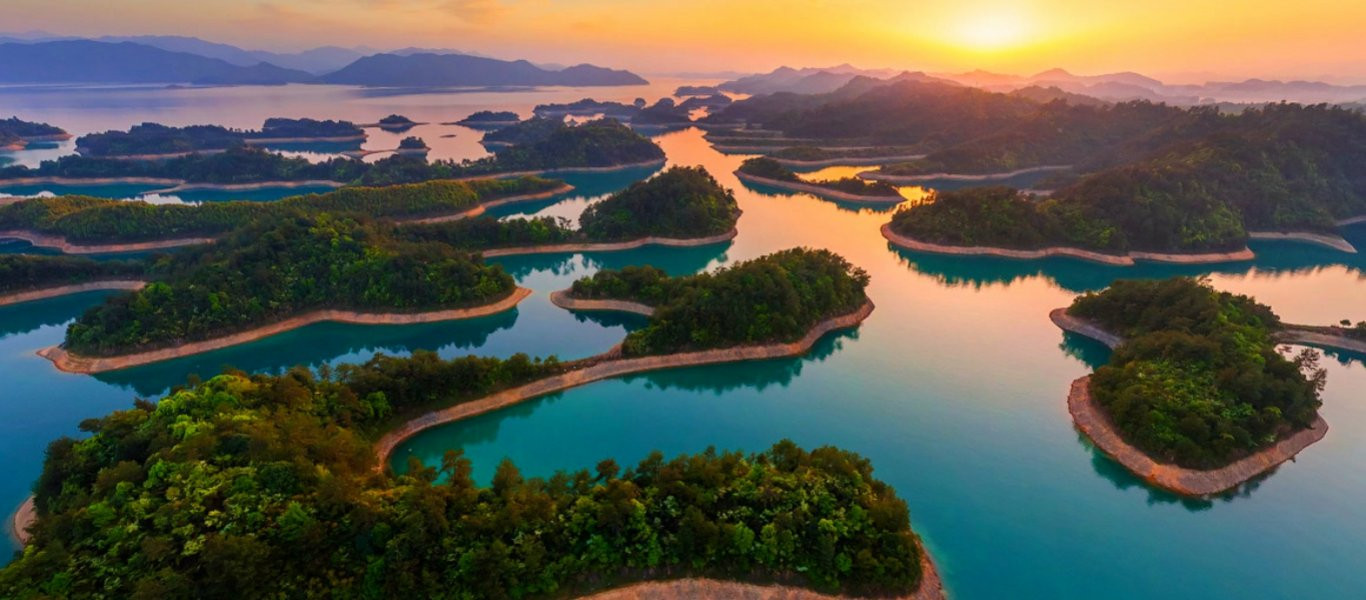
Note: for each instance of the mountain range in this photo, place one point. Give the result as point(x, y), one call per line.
point(40, 58)
point(1112, 87)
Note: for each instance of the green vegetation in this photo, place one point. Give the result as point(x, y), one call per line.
point(772, 169)
point(1199, 381)
point(13, 127)
point(155, 139)
point(306, 128)
point(535, 129)
point(589, 145)
point(251, 486)
point(412, 143)
point(682, 202)
point(484, 117)
point(589, 107)
point(23, 272)
point(95, 220)
point(272, 271)
point(396, 123)
point(775, 298)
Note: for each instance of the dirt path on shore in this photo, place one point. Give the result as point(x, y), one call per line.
point(563, 300)
point(53, 292)
point(73, 363)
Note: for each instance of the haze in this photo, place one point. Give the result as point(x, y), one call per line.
point(1177, 40)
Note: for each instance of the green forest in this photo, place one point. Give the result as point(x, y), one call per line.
point(88, 220)
point(23, 272)
point(774, 298)
point(248, 486)
point(1199, 381)
point(594, 144)
point(772, 169)
point(271, 271)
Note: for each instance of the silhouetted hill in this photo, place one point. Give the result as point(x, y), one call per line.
point(464, 70)
point(87, 61)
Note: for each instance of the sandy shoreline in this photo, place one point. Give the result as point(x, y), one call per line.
point(864, 161)
point(1317, 337)
point(1352, 221)
point(246, 187)
point(22, 519)
point(626, 167)
point(151, 157)
point(563, 300)
point(1093, 422)
point(74, 181)
point(1332, 242)
point(961, 177)
point(1083, 327)
point(613, 246)
point(483, 207)
point(1126, 260)
point(65, 290)
point(72, 363)
point(341, 139)
point(606, 366)
point(820, 191)
point(767, 149)
point(61, 244)
point(931, 588)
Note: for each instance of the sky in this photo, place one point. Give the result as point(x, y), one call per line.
point(1178, 40)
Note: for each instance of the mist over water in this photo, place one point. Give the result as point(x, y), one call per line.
point(954, 387)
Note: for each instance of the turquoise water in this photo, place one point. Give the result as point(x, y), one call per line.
point(954, 387)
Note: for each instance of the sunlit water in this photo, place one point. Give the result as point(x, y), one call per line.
point(954, 387)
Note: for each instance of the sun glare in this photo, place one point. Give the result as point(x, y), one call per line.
point(991, 31)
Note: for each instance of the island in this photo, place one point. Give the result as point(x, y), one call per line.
point(766, 171)
point(1196, 399)
point(302, 131)
point(488, 119)
point(595, 146)
point(395, 123)
point(17, 134)
point(711, 102)
point(587, 107)
point(83, 225)
point(274, 456)
point(413, 146)
point(663, 114)
point(276, 275)
point(24, 278)
point(154, 141)
point(696, 90)
point(681, 207)
point(811, 157)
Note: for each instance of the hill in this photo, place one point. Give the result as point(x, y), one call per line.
point(463, 70)
point(99, 62)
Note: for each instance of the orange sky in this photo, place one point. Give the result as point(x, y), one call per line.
point(1177, 39)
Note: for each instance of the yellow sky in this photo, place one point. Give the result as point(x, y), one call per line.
point(1185, 39)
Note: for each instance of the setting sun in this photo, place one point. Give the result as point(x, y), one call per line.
point(991, 31)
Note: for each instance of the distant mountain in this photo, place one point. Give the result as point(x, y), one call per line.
point(812, 80)
point(86, 61)
point(317, 61)
point(462, 70)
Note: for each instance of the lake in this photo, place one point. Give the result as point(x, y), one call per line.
point(954, 387)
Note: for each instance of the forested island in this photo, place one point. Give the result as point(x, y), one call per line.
point(154, 140)
point(90, 221)
point(681, 206)
point(276, 270)
point(488, 119)
point(413, 145)
point(596, 145)
point(396, 123)
point(589, 107)
point(767, 171)
point(21, 274)
point(1196, 384)
point(15, 134)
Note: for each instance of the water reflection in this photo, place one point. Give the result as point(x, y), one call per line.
point(18, 319)
point(674, 261)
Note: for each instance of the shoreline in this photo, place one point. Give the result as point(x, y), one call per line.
point(1088, 418)
point(339, 139)
point(1352, 221)
point(852, 161)
point(1290, 333)
point(61, 244)
point(75, 181)
point(931, 588)
point(817, 190)
point(72, 363)
point(22, 519)
point(563, 300)
point(961, 177)
point(152, 157)
point(613, 246)
point(624, 167)
point(246, 187)
point(131, 285)
point(605, 366)
point(1126, 260)
point(766, 149)
point(1332, 242)
point(1082, 327)
point(483, 207)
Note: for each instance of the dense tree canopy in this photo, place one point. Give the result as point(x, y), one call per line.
point(682, 202)
point(272, 271)
point(95, 220)
point(15, 127)
point(775, 298)
point(20, 272)
point(1199, 380)
point(248, 486)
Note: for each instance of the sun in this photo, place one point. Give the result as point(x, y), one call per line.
point(990, 31)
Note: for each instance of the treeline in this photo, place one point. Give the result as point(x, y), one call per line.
point(23, 272)
point(249, 486)
point(775, 298)
point(14, 127)
point(88, 220)
point(595, 144)
point(772, 169)
point(680, 203)
point(1199, 381)
point(269, 272)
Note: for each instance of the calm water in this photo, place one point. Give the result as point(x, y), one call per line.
point(954, 388)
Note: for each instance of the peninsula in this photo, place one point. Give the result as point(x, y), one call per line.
point(770, 172)
point(17, 134)
point(1165, 406)
point(151, 141)
point(24, 278)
